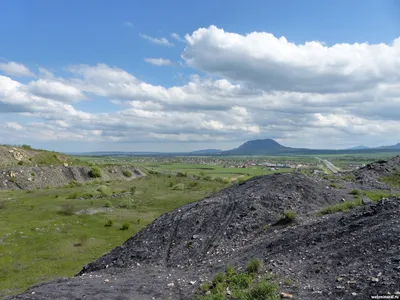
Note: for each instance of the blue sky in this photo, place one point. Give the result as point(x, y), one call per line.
point(83, 74)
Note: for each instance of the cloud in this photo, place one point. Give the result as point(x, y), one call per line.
point(177, 37)
point(128, 24)
point(262, 60)
point(55, 90)
point(158, 61)
point(14, 69)
point(159, 41)
point(255, 86)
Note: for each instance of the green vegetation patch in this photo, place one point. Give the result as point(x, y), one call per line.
point(248, 285)
point(95, 172)
point(343, 206)
point(43, 238)
point(392, 180)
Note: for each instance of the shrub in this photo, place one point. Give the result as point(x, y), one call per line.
point(26, 147)
point(193, 184)
point(108, 204)
point(109, 223)
point(180, 174)
point(95, 172)
point(254, 266)
point(74, 195)
point(87, 196)
point(288, 217)
point(127, 173)
point(333, 185)
point(178, 187)
point(133, 190)
point(67, 209)
point(125, 204)
point(242, 286)
point(13, 179)
point(20, 163)
point(355, 192)
point(103, 190)
point(125, 226)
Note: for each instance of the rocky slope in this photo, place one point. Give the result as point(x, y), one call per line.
point(25, 168)
point(341, 256)
point(44, 176)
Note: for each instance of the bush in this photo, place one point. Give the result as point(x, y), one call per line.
point(87, 196)
point(125, 204)
point(333, 185)
point(193, 184)
point(74, 195)
point(109, 223)
point(178, 187)
point(290, 215)
point(125, 226)
point(133, 190)
point(103, 190)
point(67, 209)
point(95, 172)
point(355, 192)
point(127, 173)
point(242, 286)
point(13, 179)
point(180, 174)
point(20, 163)
point(254, 266)
point(108, 204)
point(26, 147)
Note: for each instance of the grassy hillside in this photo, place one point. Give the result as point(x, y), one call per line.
point(12, 156)
point(42, 237)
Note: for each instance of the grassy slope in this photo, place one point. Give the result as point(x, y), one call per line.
point(37, 243)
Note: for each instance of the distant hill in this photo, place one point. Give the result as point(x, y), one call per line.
point(393, 147)
point(253, 147)
point(258, 147)
point(206, 151)
point(362, 147)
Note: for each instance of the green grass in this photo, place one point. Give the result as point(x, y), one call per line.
point(248, 285)
point(393, 180)
point(42, 238)
point(343, 206)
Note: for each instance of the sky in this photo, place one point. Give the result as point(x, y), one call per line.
point(178, 75)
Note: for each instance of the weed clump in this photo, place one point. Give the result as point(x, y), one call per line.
point(248, 285)
point(287, 217)
point(254, 266)
point(343, 206)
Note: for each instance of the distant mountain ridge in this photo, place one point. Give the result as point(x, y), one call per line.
point(253, 147)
